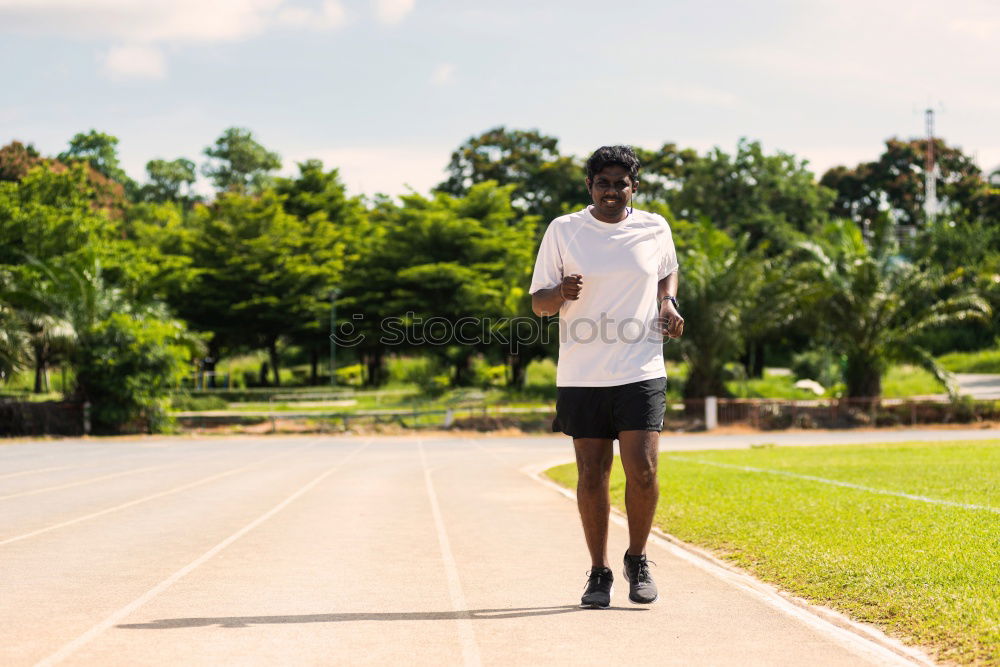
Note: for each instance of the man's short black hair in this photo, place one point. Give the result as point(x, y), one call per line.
point(605, 156)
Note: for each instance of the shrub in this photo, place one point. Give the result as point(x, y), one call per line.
point(351, 376)
point(425, 372)
point(126, 367)
point(487, 375)
point(819, 365)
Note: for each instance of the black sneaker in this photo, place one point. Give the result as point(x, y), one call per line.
point(641, 588)
point(597, 595)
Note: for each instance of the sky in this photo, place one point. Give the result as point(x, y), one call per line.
point(385, 90)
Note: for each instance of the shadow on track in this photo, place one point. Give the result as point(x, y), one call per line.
point(473, 614)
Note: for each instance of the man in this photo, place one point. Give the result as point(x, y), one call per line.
point(610, 273)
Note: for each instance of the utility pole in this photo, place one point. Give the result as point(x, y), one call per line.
point(930, 170)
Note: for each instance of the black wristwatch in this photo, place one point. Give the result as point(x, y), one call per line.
point(672, 300)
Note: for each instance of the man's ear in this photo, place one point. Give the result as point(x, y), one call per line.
point(587, 181)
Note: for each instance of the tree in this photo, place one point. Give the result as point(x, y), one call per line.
point(968, 249)
point(63, 305)
point(100, 151)
point(47, 220)
point(126, 366)
point(126, 355)
point(153, 262)
point(769, 197)
point(894, 184)
point(261, 272)
point(544, 181)
point(319, 199)
point(722, 279)
point(444, 259)
point(169, 181)
point(49, 214)
point(870, 304)
point(238, 163)
point(662, 172)
point(16, 160)
point(55, 301)
point(14, 344)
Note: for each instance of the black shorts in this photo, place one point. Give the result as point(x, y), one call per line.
point(603, 412)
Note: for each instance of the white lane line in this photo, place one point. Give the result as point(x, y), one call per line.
point(836, 482)
point(21, 473)
point(856, 637)
point(89, 480)
point(88, 636)
point(153, 496)
point(55, 451)
point(470, 650)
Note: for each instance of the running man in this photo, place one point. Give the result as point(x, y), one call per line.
point(610, 273)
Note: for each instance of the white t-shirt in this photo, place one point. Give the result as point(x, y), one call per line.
point(608, 336)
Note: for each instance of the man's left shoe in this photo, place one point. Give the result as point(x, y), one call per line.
point(641, 588)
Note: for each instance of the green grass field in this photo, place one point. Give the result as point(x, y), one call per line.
point(926, 567)
point(983, 361)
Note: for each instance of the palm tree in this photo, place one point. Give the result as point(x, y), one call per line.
point(721, 287)
point(870, 303)
point(52, 304)
point(14, 343)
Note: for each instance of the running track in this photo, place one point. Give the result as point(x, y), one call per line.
point(349, 550)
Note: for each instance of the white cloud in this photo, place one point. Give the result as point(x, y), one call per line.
point(331, 15)
point(392, 11)
point(444, 74)
point(334, 13)
point(138, 25)
point(295, 16)
point(138, 21)
point(134, 62)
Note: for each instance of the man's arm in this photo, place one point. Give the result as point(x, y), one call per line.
point(670, 318)
point(548, 301)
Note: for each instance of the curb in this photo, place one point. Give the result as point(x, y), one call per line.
point(861, 637)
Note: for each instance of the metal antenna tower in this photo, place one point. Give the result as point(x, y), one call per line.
point(930, 169)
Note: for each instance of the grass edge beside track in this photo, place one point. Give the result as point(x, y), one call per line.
point(860, 584)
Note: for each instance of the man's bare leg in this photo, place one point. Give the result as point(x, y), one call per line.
point(593, 463)
point(639, 453)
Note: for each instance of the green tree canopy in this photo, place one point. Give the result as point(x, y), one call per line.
point(443, 257)
point(126, 365)
point(169, 181)
point(238, 163)
point(14, 341)
point(894, 184)
point(769, 197)
point(153, 262)
point(662, 172)
point(261, 272)
point(16, 160)
point(871, 305)
point(544, 180)
point(721, 287)
point(318, 198)
point(51, 214)
point(100, 151)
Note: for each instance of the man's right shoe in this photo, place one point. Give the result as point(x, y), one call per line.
point(641, 588)
point(597, 595)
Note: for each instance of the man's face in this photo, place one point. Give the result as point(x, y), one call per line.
point(611, 190)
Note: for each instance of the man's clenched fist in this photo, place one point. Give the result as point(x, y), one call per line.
point(571, 287)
